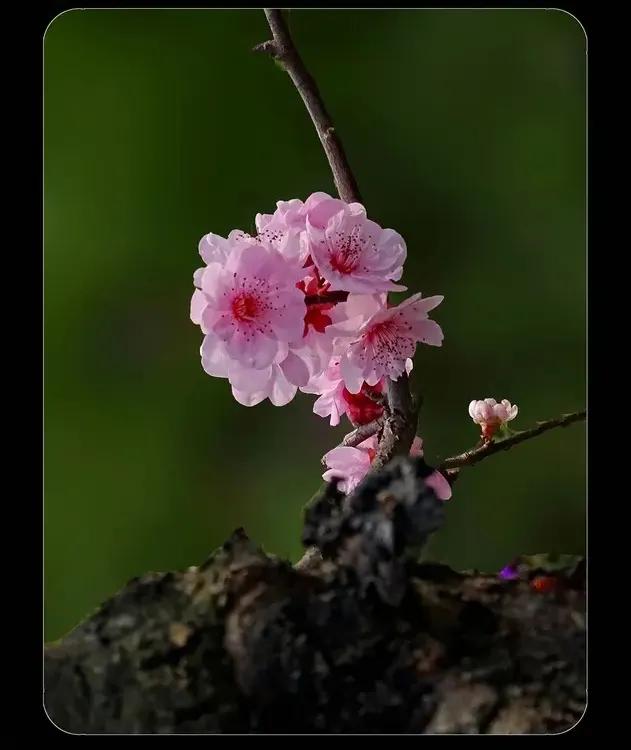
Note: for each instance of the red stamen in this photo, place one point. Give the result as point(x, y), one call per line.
point(244, 307)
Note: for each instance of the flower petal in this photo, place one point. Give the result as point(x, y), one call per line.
point(295, 370)
point(441, 487)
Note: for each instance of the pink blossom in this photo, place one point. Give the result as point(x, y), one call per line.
point(294, 362)
point(490, 415)
point(278, 381)
point(387, 339)
point(273, 383)
point(335, 400)
point(272, 324)
point(290, 219)
point(291, 214)
point(353, 253)
point(329, 386)
point(350, 465)
point(247, 297)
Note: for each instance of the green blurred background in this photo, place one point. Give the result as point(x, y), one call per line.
point(466, 130)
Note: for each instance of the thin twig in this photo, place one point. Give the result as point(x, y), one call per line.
point(399, 433)
point(282, 48)
point(363, 432)
point(359, 434)
point(475, 455)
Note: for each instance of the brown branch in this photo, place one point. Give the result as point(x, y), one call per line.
point(399, 433)
point(378, 398)
point(282, 48)
point(400, 429)
point(477, 454)
point(247, 644)
point(326, 298)
point(359, 434)
point(363, 432)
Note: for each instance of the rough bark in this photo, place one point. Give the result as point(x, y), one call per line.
point(360, 637)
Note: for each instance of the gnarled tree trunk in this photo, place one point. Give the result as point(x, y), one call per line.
point(359, 637)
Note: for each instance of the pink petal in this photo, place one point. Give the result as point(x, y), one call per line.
point(321, 212)
point(352, 375)
point(262, 220)
point(282, 391)
point(439, 484)
point(249, 379)
point(345, 458)
point(212, 279)
point(197, 277)
point(429, 332)
point(245, 398)
point(370, 444)
point(198, 305)
point(315, 199)
point(250, 347)
point(213, 248)
point(429, 303)
point(417, 447)
point(214, 358)
point(325, 406)
point(295, 370)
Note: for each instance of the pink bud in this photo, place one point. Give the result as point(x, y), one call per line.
point(490, 415)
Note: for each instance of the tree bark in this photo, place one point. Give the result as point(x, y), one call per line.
point(360, 637)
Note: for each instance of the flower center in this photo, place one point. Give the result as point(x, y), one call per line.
point(343, 263)
point(385, 333)
point(244, 307)
point(346, 255)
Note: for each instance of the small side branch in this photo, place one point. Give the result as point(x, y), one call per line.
point(475, 455)
point(363, 432)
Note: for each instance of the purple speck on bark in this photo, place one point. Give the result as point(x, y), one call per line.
point(509, 572)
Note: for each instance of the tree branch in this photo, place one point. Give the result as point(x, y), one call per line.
point(326, 298)
point(363, 432)
point(475, 455)
point(399, 433)
point(358, 435)
point(359, 637)
point(282, 49)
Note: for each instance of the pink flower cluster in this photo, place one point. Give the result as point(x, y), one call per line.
point(302, 304)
